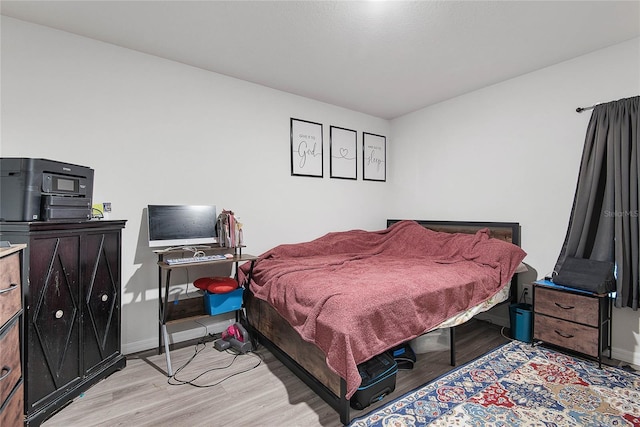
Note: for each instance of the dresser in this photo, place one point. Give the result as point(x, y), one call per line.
point(72, 294)
point(11, 381)
point(572, 319)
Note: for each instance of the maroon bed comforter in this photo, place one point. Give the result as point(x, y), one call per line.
point(358, 293)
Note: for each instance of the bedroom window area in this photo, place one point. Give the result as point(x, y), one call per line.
point(605, 222)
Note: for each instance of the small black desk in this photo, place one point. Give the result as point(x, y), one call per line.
point(164, 270)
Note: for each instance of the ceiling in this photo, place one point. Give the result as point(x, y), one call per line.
point(383, 58)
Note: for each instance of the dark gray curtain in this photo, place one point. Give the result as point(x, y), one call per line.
point(604, 223)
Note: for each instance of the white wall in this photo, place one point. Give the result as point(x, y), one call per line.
point(511, 152)
point(156, 132)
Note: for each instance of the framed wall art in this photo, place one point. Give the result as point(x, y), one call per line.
point(342, 153)
point(306, 148)
point(374, 157)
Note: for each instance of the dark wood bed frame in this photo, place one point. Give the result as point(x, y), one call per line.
point(307, 361)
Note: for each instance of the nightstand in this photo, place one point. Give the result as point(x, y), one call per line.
point(572, 319)
point(11, 381)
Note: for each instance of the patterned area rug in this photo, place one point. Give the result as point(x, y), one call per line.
point(519, 385)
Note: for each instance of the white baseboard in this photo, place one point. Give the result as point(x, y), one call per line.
point(437, 340)
point(137, 346)
point(498, 315)
point(184, 331)
point(495, 319)
point(626, 356)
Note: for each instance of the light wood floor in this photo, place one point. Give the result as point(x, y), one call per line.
point(268, 395)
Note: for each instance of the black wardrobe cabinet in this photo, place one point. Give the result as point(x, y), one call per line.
point(71, 298)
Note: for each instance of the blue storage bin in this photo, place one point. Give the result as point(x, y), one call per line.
point(520, 316)
point(222, 303)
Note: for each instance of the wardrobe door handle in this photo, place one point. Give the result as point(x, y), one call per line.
point(59, 314)
point(11, 287)
point(4, 375)
point(564, 335)
point(565, 307)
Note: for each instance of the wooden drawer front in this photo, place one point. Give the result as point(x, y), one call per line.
point(10, 289)
point(565, 305)
point(10, 369)
point(12, 414)
point(573, 336)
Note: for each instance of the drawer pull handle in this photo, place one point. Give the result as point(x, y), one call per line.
point(104, 297)
point(564, 335)
point(59, 314)
point(10, 288)
point(6, 370)
point(565, 307)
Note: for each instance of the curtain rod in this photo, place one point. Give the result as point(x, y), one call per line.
point(581, 109)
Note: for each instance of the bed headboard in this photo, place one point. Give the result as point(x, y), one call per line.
point(507, 231)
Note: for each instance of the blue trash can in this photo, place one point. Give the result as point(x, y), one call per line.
point(520, 316)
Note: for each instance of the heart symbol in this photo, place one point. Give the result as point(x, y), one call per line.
point(344, 152)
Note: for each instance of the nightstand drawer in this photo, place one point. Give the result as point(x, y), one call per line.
point(12, 412)
point(568, 306)
point(10, 290)
point(10, 369)
point(573, 336)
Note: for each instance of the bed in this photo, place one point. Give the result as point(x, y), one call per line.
point(324, 306)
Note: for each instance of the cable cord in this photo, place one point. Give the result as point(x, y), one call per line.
point(195, 252)
point(173, 380)
point(504, 335)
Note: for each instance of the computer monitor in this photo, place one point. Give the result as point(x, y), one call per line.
point(181, 225)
